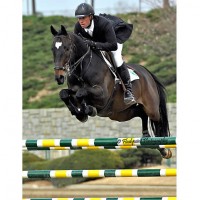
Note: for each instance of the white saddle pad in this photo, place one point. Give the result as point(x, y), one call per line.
point(133, 75)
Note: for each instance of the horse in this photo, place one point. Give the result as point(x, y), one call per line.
point(93, 90)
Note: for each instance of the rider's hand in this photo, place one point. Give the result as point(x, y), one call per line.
point(90, 43)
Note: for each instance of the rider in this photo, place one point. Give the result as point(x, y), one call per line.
point(100, 35)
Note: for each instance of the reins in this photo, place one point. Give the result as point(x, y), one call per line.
point(79, 61)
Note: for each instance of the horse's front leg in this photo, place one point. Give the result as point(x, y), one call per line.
point(81, 95)
point(87, 109)
point(67, 98)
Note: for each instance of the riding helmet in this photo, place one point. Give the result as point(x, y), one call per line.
point(83, 10)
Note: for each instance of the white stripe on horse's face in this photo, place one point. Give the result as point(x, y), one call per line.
point(58, 44)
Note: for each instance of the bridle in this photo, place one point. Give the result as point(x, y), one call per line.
point(70, 68)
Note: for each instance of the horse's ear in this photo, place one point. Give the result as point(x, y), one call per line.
point(63, 30)
point(53, 30)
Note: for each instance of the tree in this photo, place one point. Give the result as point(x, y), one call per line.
point(92, 3)
point(33, 8)
point(159, 3)
point(166, 4)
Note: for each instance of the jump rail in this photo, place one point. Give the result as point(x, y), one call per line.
point(111, 198)
point(99, 142)
point(98, 173)
point(171, 146)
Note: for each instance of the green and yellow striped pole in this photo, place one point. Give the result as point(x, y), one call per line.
point(171, 146)
point(98, 173)
point(99, 142)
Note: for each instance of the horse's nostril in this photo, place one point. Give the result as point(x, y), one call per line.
point(60, 79)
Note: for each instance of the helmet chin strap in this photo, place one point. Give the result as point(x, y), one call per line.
point(91, 18)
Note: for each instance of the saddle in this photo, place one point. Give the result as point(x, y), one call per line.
point(109, 61)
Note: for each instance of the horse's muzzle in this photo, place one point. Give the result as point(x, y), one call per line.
point(60, 79)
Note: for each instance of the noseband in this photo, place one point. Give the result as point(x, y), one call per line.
point(60, 68)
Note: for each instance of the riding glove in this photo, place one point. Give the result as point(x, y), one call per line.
point(90, 43)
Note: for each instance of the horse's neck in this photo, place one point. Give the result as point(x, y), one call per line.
point(90, 57)
point(80, 47)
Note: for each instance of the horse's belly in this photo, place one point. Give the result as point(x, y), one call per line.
point(123, 115)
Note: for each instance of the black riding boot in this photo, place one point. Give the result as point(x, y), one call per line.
point(125, 76)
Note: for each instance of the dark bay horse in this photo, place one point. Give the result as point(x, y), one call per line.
point(93, 90)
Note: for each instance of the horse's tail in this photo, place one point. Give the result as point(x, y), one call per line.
point(161, 128)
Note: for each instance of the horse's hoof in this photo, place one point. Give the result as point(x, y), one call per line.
point(91, 111)
point(82, 118)
point(166, 153)
point(94, 112)
point(146, 134)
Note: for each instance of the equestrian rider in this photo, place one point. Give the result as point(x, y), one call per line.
point(100, 35)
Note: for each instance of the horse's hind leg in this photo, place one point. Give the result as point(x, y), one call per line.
point(145, 131)
point(138, 111)
point(166, 153)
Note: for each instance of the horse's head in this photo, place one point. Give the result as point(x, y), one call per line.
point(62, 52)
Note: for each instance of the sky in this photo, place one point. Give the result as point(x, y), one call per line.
point(188, 106)
point(67, 7)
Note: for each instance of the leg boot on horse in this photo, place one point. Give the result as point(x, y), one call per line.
point(125, 76)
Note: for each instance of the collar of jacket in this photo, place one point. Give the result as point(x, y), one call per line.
point(90, 29)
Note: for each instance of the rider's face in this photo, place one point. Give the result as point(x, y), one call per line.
point(84, 21)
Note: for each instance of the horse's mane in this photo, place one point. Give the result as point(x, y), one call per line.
point(77, 40)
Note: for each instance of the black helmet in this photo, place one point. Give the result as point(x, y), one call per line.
point(83, 10)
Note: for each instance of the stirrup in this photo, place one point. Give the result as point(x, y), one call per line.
point(129, 98)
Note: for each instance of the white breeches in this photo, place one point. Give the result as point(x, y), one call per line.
point(117, 55)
